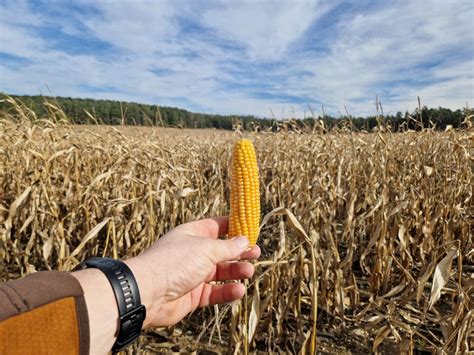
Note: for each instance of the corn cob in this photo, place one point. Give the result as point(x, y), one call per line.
point(244, 192)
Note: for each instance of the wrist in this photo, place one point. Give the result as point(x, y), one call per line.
point(150, 286)
point(102, 309)
point(106, 300)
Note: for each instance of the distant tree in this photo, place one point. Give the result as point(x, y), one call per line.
point(110, 112)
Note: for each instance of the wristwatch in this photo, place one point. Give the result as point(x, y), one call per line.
point(131, 312)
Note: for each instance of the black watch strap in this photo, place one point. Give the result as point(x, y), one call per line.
point(131, 312)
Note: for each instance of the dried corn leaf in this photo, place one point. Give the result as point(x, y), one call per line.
point(441, 276)
point(92, 233)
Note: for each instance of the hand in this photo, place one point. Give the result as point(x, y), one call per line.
point(174, 275)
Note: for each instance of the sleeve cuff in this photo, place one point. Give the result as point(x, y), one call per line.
point(42, 288)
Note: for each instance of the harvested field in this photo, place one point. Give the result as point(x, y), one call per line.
point(367, 239)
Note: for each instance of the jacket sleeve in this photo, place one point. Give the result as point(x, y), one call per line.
point(44, 312)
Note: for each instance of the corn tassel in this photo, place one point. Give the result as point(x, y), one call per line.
point(244, 192)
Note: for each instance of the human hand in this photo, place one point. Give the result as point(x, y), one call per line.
point(174, 275)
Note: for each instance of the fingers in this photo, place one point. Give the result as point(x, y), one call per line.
point(232, 271)
point(215, 294)
point(209, 227)
point(233, 249)
point(251, 253)
point(227, 249)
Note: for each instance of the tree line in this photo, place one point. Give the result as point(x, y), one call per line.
point(110, 112)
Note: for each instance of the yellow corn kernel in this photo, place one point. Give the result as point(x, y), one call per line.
point(244, 216)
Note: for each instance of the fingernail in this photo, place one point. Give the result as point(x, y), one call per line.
point(242, 242)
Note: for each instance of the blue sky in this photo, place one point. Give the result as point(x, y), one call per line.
point(246, 57)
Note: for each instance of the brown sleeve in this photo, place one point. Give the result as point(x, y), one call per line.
point(44, 312)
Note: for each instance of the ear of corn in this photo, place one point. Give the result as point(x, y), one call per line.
point(244, 192)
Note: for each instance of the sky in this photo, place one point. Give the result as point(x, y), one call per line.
point(264, 58)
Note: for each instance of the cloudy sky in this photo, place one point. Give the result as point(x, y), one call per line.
point(242, 57)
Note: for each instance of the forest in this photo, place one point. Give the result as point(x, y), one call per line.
point(110, 112)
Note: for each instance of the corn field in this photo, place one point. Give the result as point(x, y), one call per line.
point(367, 238)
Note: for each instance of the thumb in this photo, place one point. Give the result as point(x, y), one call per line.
point(229, 249)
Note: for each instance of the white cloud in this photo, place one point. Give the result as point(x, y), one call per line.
point(19, 13)
point(258, 45)
point(454, 90)
point(14, 38)
point(383, 48)
point(138, 26)
point(24, 45)
point(265, 28)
